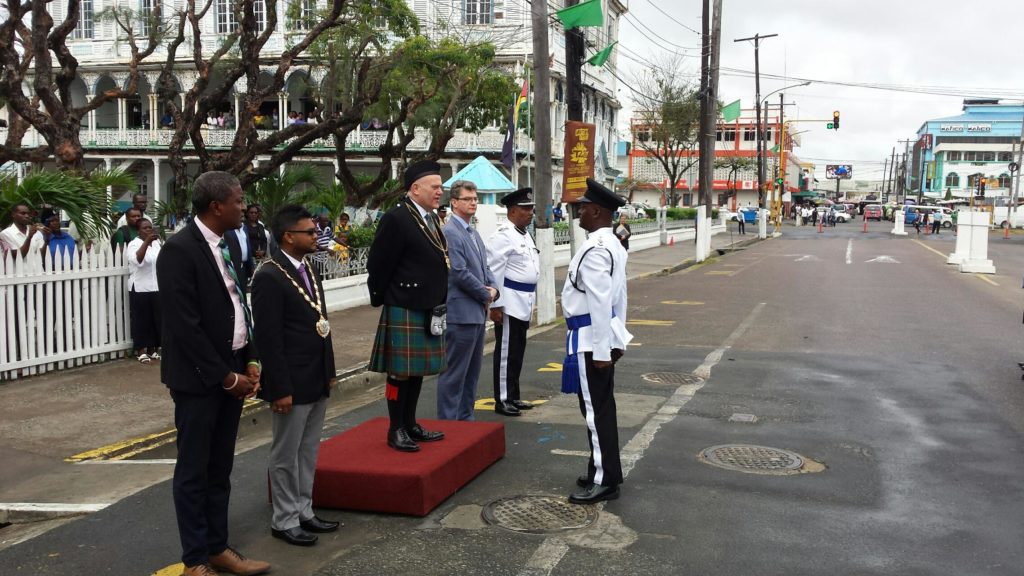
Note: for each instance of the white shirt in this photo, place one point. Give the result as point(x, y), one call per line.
point(599, 272)
point(243, 242)
point(15, 238)
point(241, 333)
point(142, 277)
point(513, 256)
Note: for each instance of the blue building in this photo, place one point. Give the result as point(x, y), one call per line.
point(951, 154)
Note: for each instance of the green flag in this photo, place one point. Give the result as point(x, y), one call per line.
point(775, 149)
point(601, 57)
point(731, 112)
point(587, 13)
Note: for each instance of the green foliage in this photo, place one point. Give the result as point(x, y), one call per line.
point(361, 236)
point(330, 199)
point(298, 184)
point(652, 213)
point(83, 198)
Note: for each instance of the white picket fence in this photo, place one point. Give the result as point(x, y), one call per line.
point(56, 314)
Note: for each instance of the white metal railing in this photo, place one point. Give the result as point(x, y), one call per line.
point(640, 227)
point(62, 313)
point(340, 264)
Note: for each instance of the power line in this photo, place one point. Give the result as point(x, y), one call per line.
point(669, 16)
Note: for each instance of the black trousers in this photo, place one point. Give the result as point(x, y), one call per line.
point(597, 404)
point(509, 349)
point(145, 319)
point(207, 428)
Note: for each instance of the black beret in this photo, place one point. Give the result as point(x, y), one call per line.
point(420, 169)
point(602, 196)
point(521, 197)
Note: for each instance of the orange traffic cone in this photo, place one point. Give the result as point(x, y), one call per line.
point(865, 224)
point(671, 240)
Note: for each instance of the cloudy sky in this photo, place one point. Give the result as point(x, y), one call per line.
point(938, 46)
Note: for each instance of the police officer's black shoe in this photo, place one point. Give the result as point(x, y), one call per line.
point(506, 409)
point(400, 440)
point(594, 494)
point(522, 404)
point(583, 481)
point(419, 434)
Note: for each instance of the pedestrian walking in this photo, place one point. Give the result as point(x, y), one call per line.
point(408, 275)
point(294, 339)
point(623, 232)
point(594, 306)
point(143, 292)
point(210, 365)
point(471, 289)
point(513, 260)
point(917, 221)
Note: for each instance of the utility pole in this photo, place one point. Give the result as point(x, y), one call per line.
point(905, 169)
point(542, 161)
point(708, 116)
point(757, 112)
point(885, 174)
point(1015, 174)
point(892, 171)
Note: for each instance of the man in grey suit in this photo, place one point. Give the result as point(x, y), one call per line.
point(470, 291)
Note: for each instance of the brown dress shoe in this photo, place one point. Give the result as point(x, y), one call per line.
point(231, 561)
point(199, 570)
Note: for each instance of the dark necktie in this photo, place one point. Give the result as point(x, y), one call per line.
point(226, 253)
point(430, 222)
point(305, 278)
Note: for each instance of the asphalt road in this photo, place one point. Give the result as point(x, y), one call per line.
point(890, 373)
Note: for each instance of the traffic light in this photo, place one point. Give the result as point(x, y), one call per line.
point(981, 187)
point(835, 120)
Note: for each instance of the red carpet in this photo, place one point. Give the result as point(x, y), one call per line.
point(357, 471)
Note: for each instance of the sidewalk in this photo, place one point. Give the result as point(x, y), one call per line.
point(116, 409)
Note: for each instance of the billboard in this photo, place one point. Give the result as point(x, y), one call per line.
point(579, 160)
point(839, 171)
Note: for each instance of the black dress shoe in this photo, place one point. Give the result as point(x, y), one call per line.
point(594, 494)
point(506, 409)
point(296, 536)
point(400, 440)
point(417, 433)
point(583, 481)
point(316, 524)
point(522, 405)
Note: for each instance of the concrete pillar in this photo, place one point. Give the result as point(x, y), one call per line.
point(972, 230)
point(899, 222)
point(109, 162)
point(91, 122)
point(157, 192)
point(235, 109)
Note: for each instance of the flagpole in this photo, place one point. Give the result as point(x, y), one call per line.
point(529, 140)
point(512, 128)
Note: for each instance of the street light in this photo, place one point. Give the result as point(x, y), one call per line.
point(760, 135)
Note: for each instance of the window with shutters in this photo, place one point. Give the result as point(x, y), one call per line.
point(749, 134)
point(1004, 180)
point(226, 22)
point(478, 11)
point(259, 10)
point(953, 180)
point(149, 14)
point(306, 15)
point(85, 28)
point(953, 156)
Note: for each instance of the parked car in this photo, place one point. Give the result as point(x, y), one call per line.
point(873, 212)
point(634, 211)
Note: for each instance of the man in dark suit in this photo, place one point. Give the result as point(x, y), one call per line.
point(408, 274)
point(294, 339)
point(210, 365)
point(470, 291)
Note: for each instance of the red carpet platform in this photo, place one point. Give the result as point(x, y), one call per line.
point(357, 471)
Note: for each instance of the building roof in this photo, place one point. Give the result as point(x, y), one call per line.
point(486, 177)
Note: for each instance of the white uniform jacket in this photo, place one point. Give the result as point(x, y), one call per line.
point(514, 262)
point(596, 288)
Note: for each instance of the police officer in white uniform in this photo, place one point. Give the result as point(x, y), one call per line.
point(594, 306)
point(513, 259)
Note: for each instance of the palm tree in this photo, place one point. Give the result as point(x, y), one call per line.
point(297, 184)
point(330, 198)
point(83, 198)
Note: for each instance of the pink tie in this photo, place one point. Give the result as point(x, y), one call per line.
point(305, 277)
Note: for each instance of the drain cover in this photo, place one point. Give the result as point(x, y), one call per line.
point(675, 378)
point(538, 514)
point(757, 459)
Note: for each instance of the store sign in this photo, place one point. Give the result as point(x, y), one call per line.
point(965, 127)
point(579, 160)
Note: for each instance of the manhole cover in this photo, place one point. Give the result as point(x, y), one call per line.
point(675, 378)
point(538, 514)
point(757, 459)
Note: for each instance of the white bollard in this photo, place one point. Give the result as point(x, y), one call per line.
point(899, 223)
point(975, 226)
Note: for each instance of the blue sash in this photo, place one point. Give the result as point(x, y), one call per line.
point(520, 286)
point(571, 364)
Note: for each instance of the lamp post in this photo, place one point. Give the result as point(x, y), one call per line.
point(782, 143)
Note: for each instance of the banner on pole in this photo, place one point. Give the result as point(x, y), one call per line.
point(579, 159)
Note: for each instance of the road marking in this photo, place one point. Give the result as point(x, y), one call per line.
point(807, 258)
point(927, 247)
point(172, 570)
point(719, 273)
point(546, 558)
point(551, 367)
point(849, 251)
point(164, 461)
point(51, 507)
point(682, 302)
point(883, 259)
point(560, 452)
point(488, 403)
point(650, 322)
point(981, 277)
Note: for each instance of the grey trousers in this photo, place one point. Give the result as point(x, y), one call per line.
point(293, 462)
point(456, 386)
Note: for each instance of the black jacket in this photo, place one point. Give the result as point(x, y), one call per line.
point(405, 268)
point(199, 322)
point(297, 362)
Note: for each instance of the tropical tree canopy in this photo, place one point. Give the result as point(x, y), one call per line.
point(83, 198)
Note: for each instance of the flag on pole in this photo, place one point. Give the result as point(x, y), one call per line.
point(775, 149)
point(521, 101)
point(587, 13)
point(508, 147)
point(601, 57)
point(731, 112)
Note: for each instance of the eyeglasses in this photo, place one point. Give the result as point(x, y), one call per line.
point(311, 231)
point(471, 200)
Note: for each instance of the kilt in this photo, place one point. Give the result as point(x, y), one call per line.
point(404, 345)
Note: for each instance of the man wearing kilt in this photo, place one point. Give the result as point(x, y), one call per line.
point(408, 274)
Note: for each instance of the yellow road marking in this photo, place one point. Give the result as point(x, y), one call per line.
point(651, 322)
point(172, 570)
point(720, 272)
point(488, 403)
point(122, 450)
point(929, 248)
point(985, 278)
point(551, 367)
point(682, 302)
